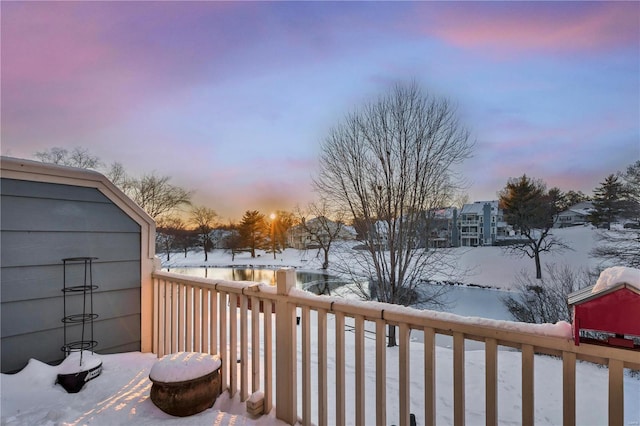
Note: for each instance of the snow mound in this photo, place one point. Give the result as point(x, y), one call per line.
point(183, 366)
point(617, 275)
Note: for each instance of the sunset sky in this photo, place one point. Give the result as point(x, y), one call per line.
point(233, 99)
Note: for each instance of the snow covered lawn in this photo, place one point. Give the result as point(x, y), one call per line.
point(488, 266)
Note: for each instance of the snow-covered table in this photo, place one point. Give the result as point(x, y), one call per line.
point(185, 383)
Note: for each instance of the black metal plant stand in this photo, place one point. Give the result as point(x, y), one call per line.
point(74, 381)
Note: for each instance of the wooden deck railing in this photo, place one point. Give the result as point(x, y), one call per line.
point(235, 319)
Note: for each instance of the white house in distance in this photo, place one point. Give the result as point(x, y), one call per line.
point(443, 229)
point(578, 214)
point(481, 223)
point(301, 239)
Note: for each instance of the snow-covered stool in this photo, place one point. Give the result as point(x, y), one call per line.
point(185, 383)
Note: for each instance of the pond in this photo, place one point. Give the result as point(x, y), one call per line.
point(461, 300)
point(314, 282)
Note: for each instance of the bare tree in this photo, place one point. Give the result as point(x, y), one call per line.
point(118, 176)
point(620, 247)
point(545, 300)
point(531, 210)
point(77, 157)
point(168, 230)
point(386, 164)
point(204, 220)
point(233, 241)
point(156, 195)
point(151, 192)
point(284, 220)
point(322, 231)
point(631, 179)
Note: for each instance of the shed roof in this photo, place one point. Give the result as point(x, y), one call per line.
point(586, 294)
point(29, 170)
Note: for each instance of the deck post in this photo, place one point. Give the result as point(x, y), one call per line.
point(286, 363)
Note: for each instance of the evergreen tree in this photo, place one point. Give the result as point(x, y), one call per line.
point(253, 230)
point(608, 202)
point(531, 210)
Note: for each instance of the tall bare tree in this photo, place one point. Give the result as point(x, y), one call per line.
point(531, 210)
point(151, 192)
point(386, 164)
point(204, 220)
point(156, 195)
point(322, 225)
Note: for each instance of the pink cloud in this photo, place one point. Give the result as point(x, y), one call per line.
point(81, 66)
point(510, 27)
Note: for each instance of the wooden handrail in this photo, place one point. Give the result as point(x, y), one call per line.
point(212, 316)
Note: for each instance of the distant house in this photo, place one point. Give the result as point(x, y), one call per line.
point(434, 229)
point(51, 212)
point(441, 228)
point(575, 215)
point(301, 238)
point(481, 223)
point(220, 237)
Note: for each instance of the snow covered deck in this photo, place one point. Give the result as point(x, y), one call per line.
point(334, 367)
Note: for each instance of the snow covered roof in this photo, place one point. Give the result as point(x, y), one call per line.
point(611, 277)
point(444, 213)
point(349, 229)
point(610, 280)
point(478, 207)
point(583, 209)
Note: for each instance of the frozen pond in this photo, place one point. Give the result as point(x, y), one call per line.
point(467, 301)
point(311, 281)
point(461, 300)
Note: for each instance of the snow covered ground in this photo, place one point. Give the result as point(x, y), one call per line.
point(487, 266)
point(120, 395)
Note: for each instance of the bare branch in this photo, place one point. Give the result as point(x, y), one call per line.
point(389, 165)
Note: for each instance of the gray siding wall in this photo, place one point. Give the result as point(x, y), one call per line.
point(42, 223)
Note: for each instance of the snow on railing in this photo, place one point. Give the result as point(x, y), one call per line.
point(204, 315)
